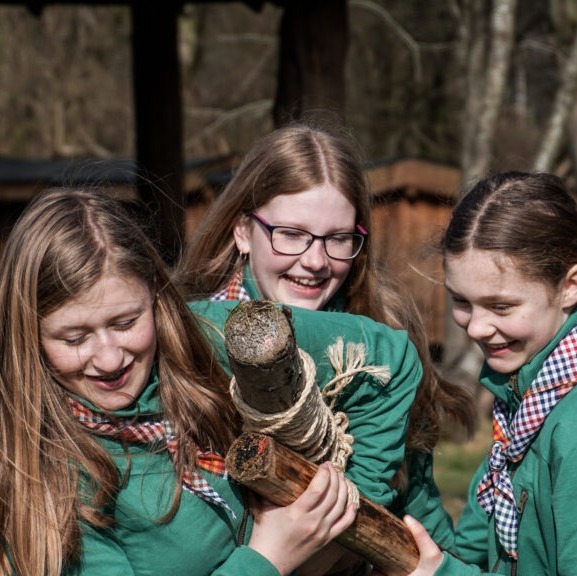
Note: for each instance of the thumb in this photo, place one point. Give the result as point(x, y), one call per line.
point(431, 556)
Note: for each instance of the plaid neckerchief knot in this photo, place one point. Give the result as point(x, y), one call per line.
point(557, 377)
point(151, 431)
point(234, 290)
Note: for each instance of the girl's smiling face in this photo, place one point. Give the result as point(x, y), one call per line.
point(312, 278)
point(510, 316)
point(101, 345)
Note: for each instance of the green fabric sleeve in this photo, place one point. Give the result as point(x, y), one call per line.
point(377, 412)
point(245, 561)
point(422, 500)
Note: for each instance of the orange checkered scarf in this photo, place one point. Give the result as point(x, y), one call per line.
point(155, 431)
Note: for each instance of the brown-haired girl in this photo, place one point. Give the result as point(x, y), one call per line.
point(511, 269)
point(114, 417)
point(293, 226)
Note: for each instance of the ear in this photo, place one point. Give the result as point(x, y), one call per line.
point(242, 232)
point(569, 288)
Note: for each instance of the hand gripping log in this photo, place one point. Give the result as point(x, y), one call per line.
point(264, 358)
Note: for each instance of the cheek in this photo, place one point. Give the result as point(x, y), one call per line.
point(266, 264)
point(144, 340)
point(461, 317)
point(341, 269)
point(63, 359)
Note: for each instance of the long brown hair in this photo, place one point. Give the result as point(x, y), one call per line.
point(63, 243)
point(293, 159)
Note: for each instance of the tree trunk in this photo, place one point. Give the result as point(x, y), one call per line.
point(556, 131)
point(311, 72)
point(502, 41)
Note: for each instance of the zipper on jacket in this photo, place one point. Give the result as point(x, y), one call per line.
point(514, 383)
point(244, 521)
point(520, 509)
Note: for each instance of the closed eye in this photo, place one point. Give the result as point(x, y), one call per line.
point(125, 324)
point(291, 233)
point(340, 238)
point(74, 340)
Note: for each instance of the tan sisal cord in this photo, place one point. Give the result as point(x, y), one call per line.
point(309, 426)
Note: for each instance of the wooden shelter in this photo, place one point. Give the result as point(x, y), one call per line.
point(313, 41)
point(413, 200)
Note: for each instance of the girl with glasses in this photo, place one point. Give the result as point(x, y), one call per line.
point(114, 417)
point(293, 226)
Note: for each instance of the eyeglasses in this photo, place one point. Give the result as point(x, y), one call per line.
point(294, 241)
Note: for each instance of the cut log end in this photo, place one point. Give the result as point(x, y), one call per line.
point(258, 332)
point(249, 457)
point(264, 356)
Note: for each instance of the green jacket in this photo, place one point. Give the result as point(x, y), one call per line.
point(200, 540)
point(378, 415)
point(544, 486)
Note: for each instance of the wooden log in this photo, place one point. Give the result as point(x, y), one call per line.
point(281, 475)
point(263, 354)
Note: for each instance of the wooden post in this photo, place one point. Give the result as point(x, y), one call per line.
point(263, 353)
point(158, 119)
point(281, 475)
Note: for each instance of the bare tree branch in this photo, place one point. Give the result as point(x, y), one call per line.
point(502, 40)
point(405, 37)
point(564, 102)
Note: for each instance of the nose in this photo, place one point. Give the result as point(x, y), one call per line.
point(479, 326)
point(107, 356)
point(315, 258)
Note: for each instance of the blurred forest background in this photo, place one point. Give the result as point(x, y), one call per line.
point(418, 75)
point(480, 85)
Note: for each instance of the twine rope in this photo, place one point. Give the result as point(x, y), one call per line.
point(309, 426)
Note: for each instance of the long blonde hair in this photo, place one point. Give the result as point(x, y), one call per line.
point(60, 246)
point(292, 159)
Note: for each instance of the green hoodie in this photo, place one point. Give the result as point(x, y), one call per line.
point(544, 487)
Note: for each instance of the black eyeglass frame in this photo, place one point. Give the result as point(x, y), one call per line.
point(360, 233)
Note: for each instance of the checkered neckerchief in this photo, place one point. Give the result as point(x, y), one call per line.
point(556, 378)
point(234, 290)
point(147, 432)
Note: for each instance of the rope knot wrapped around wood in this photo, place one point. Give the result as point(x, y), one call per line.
point(309, 426)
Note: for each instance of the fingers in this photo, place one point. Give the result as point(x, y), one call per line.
point(326, 491)
point(327, 497)
point(422, 538)
point(430, 555)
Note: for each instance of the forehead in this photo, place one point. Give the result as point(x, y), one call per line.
point(325, 199)
point(487, 274)
point(111, 294)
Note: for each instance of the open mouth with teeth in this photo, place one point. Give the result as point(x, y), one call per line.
point(305, 282)
point(110, 377)
point(498, 346)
